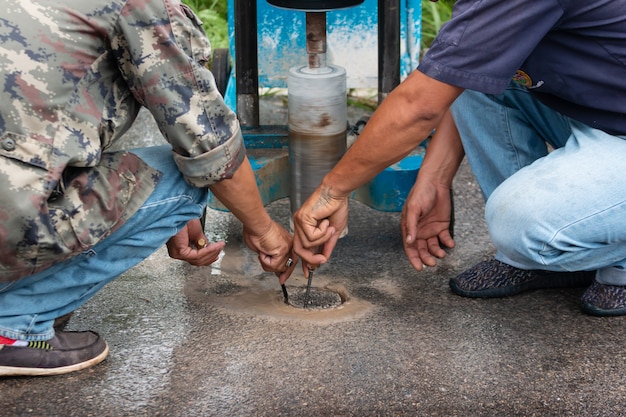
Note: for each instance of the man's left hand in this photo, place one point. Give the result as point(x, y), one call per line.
point(192, 246)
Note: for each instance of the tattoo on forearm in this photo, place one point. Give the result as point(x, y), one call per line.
point(325, 197)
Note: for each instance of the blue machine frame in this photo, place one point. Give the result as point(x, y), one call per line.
point(353, 43)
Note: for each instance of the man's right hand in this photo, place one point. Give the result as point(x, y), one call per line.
point(274, 249)
point(318, 225)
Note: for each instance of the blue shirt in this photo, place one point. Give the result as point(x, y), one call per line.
point(570, 53)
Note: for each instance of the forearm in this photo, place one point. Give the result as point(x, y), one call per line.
point(241, 196)
point(444, 154)
point(404, 119)
point(272, 242)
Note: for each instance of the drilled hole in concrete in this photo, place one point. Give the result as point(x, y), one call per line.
point(319, 298)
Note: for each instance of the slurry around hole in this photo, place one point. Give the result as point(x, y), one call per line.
point(319, 298)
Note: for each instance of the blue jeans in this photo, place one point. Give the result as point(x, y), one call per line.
point(563, 210)
point(29, 306)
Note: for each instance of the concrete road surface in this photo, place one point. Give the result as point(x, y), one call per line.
point(219, 341)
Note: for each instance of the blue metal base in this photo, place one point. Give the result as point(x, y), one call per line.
point(268, 152)
point(389, 189)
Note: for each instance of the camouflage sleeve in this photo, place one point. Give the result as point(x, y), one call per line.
point(163, 53)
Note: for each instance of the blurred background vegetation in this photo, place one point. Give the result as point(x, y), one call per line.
point(214, 15)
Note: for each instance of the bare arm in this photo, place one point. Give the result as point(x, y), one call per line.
point(267, 238)
point(405, 118)
point(426, 214)
point(241, 196)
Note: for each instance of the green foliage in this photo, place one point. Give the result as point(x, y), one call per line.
point(434, 15)
point(214, 16)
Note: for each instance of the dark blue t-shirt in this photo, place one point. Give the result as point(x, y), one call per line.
point(570, 53)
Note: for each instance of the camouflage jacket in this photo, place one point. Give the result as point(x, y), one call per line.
point(74, 74)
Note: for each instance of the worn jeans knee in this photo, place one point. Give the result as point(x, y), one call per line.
point(30, 305)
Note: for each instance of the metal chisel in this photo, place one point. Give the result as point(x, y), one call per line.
point(308, 289)
point(285, 295)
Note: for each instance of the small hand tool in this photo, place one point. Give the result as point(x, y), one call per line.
point(285, 295)
point(308, 289)
point(308, 284)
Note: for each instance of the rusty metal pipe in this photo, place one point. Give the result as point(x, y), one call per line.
point(316, 39)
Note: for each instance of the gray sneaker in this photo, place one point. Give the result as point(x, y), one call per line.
point(491, 279)
point(65, 352)
point(604, 300)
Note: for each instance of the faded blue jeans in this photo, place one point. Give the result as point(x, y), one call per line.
point(29, 306)
point(563, 210)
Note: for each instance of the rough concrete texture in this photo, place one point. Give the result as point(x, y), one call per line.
point(219, 341)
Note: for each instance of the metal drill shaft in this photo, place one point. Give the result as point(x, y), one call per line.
point(308, 289)
point(285, 295)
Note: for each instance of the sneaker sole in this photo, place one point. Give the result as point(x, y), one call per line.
point(18, 371)
point(599, 312)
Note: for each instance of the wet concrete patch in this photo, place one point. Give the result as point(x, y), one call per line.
point(331, 303)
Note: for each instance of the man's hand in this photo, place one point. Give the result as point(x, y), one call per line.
point(426, 224)
point(274, 248)
point(191, 245)
point(263, 235)
point(318, 224)
point(427, 210)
